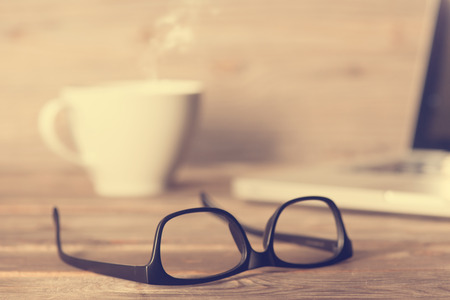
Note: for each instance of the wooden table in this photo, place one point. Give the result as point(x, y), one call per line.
point(394, 256)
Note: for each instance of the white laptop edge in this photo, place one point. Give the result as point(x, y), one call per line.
point(266, 187)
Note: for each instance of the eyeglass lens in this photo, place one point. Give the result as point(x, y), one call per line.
point(206, 254)
point(313, 219)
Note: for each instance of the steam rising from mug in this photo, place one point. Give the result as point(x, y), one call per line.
point(172, 33)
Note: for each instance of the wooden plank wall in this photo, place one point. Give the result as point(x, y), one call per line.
point(288, 80)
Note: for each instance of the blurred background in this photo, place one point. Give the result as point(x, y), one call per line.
point(288, 81)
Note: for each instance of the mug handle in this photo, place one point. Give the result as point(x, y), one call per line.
point(47, 118)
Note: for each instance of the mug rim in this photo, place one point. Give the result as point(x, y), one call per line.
point(139, 86)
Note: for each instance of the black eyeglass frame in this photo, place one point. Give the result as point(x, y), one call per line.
point(154, 273)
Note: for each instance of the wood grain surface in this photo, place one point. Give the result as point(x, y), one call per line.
point(290, 81)
point(395, 256)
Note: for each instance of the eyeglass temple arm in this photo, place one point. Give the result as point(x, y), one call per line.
point(303, 240)
point(319, 243)
point(134, 273)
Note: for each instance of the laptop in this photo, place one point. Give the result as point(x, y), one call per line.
point(417, 183)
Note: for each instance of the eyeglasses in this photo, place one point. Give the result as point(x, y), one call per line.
point(305, 232)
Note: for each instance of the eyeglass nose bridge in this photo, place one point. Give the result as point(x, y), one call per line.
point(259, 259)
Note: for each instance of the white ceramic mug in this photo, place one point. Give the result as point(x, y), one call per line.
point(129, 135)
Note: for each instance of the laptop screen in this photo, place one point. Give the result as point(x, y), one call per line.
point(433, 125)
